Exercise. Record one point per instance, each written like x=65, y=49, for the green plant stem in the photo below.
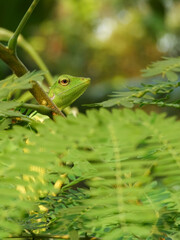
x=159, y=104
x=19, y=69
x=6, y=34
x=13, y=40
x=39, y=108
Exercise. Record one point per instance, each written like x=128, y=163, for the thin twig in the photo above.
x=5, y=35
x=39, y=108
x=13, y=40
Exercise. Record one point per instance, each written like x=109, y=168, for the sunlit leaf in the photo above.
x=12, y=83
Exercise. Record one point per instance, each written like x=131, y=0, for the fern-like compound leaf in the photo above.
x=116, y=178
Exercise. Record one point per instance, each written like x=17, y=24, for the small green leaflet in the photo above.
x=12, y=83
x=145, y=94
x=7, y=110
x=166, y=67
x=171, y=76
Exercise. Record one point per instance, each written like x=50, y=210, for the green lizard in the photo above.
x=67, y=89
x=64, y=92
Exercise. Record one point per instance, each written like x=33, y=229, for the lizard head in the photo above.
x=67, y=89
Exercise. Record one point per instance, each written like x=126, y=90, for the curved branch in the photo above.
x=20, y=69
x=13, y=40
x=5, y=35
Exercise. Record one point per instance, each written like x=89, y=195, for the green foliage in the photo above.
x=119, y=178
x=103, y=175
x=6, y=109
x=167, y=67
x=8, y=86
x=156, y=93
x=12, y=83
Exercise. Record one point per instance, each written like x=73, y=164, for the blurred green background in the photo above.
x=109, y=41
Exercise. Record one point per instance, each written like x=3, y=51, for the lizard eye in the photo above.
x=64, y=81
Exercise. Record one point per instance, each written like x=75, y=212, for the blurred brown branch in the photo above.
x=20, y=69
